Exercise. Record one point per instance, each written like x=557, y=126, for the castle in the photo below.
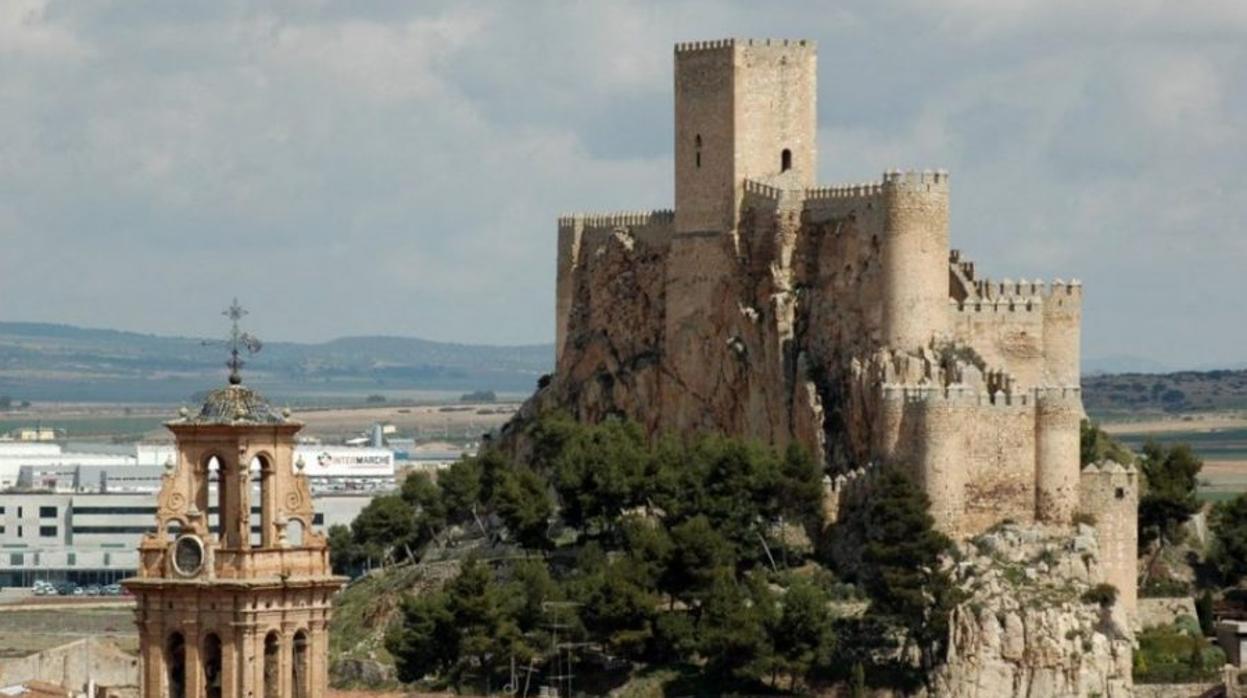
x=838, y=317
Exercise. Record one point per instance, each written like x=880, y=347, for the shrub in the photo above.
x=1169, y=654
x=1165, y=589
x=1103, y=594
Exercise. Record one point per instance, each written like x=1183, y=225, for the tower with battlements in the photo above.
x=838, y=316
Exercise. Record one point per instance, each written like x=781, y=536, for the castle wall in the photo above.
x=1109, y=493
x=839, y=255
x=1000, y=459
x=974, y=458
x=1030, y=329
x=915, y=258
x=1008, y=333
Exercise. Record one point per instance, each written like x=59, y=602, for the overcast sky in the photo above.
x=397, y=167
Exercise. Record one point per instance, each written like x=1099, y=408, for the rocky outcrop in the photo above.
x=1026, y=630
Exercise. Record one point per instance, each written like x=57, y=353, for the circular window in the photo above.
x=188, y=555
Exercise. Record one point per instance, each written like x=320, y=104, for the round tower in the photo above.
x=915, y=258
x=941, y=456
x=1058, y=413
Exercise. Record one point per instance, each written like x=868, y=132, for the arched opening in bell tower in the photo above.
x=785, y=160
x=214, y=479
x=272, y=663
x=175, y=663
x=212, y=665
x=298, y=667
x=697, y=150
x=263, y=488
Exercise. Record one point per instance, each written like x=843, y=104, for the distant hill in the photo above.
x=41, y=362
x=1180, y=391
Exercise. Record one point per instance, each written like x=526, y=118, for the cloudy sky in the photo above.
x=397, y=167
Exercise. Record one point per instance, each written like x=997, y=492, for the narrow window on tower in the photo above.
x=697, y=150
x=785, y=160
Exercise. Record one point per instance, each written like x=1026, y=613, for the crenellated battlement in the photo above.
x=713, y=44
x=1011, y=304
x=752, y=186
x=964, y=264
x=1024, y=289
x=916, y=180
x=845, y=191
x=967, y=396
x=617, y=218
x=848, y=488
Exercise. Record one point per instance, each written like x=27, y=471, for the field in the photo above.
x=1220, y=439
x=27, y=626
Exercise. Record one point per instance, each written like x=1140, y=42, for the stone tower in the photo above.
x=236, y=604
x=744, y=109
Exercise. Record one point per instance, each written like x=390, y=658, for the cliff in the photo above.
x=1026, y=629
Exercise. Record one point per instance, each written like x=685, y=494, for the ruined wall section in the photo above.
x=1109, y=493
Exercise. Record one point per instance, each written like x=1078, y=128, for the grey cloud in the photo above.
x=389, y=167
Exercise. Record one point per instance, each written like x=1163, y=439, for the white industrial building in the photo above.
x=78, y=516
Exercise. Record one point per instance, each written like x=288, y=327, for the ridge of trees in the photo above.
x=701, y=554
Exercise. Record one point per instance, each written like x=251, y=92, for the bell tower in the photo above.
x=234, y=588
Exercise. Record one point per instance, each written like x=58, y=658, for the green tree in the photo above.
x=385, y=529
x=522, y=500
x=344, y=555
x=599, y=472
x=460, y=485
x=425, y=498
x=802, y=634
x=699, y=554
x=1229, y=549
x=732, y=630
x=426, y=639
x=487, y=634
x=1171, y=477
x=618, y=601
x=901, y=563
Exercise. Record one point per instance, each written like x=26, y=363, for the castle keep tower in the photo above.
x=744, y=109
x=234, y=605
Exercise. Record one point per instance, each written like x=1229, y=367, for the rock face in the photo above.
x=1025, y=631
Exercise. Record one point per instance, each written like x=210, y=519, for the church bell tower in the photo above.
x=234, y=588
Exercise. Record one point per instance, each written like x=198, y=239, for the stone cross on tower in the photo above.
x=230, y=605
